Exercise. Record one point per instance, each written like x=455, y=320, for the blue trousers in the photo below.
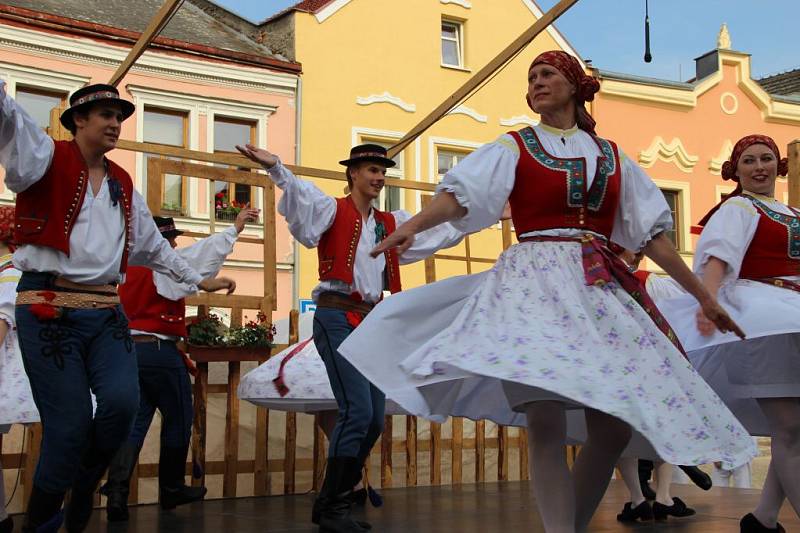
x=361, y=404
x=66, y=358
x=164, y=385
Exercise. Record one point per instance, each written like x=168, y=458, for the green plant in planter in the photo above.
x=206, y=331
x=257, y=333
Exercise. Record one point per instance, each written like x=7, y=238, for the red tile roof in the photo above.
x=311, y=5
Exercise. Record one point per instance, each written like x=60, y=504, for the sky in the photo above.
x=611, y=32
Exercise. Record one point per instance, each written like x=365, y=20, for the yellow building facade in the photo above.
x=372, y=70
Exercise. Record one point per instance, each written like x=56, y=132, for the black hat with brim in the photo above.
x=166, y=226
x=92, y=94
x=373, y=153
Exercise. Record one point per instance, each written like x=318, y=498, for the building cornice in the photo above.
x=83, y=50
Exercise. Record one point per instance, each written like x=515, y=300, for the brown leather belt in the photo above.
x=141, y=337
x=73, y=300
x=337, y=300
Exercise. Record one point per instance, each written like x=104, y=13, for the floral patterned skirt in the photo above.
x=305, y=377
x=532, y=323
x=16, y=399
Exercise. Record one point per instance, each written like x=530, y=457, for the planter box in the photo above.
x=209, y=354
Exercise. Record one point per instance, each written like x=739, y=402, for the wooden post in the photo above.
x=411, y=451
x=502, y=453
x=793, y=154
x=270, y=266
x=154, y=27
x=290, y=442
x=523, y=454
x=386, y=453
x=436, y=453
x=199, y=423
x=457, y=447
x=319, y=454
x=480, y=451
x=482, y=75
x=32, y=449
x=231, y=433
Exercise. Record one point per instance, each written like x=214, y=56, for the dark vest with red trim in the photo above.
x=775, y=248
x=337, y=247
x=146, y=309
x=46, y=211
x=551, y=193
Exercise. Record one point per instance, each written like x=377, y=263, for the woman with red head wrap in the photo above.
x=16, y=400
x=749, y=254
x=555, y=325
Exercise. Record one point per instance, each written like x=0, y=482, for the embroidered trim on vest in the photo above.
x=792, y=224
x=575, y=170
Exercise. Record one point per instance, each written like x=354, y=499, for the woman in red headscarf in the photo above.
x=558, y=336
x=16, y=400
x=749, y=254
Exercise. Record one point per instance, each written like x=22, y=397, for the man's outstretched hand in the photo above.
x=247, y=214
x=217, y=284
x=402, y=239
x=258, y=155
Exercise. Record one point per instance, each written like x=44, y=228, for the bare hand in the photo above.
x=258, y=155
x=247, y=214
x=402, y=239
x=712, y=316
x=216, y=284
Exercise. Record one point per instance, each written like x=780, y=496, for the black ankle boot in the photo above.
x=629, y=513
x=750, y=524
x=81, y=499
x=117, y=488
x=698, y=477
x=44, y=513
x=172, y=489
x=335, y=502
x=678, y=509
x=7, y=525
x=319, y=502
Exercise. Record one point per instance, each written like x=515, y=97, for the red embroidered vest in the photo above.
x=551, y=193
x=146, y=309
x=775, y=248
x=46, y=211
x=337, y=247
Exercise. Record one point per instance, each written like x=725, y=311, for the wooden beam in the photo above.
x=482, y=75
x=154, y=27
x=793, y=154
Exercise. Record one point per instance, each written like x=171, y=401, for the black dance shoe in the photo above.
x=7, y=525
x=750, y=524
x=642, y=512
x=677, y=509
x=698, y=477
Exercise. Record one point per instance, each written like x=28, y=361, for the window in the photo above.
x=39, y=102
x=452, y=43
x=229, y=132
x=169, y=128
x=673, y=200
x=391, y=197
x=447, y=159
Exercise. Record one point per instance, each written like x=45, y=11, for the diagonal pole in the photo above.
x=154, y=27
x=482, y=75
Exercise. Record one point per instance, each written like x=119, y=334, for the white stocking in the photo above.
x=771, y=500
x=783, y=416
x=664, y=480
x=607, y=437
x=629, y=468
x=552, y=482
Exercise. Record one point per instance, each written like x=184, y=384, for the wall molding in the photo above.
x=668, y=152
x=468, y=111
x=519, y=119
x=386, y=98
x=715, y=165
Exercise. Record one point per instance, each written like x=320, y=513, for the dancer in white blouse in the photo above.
x=552, y=327
x=78, y=224
x=749, y=254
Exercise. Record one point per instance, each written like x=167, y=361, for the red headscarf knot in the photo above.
x=586, y=86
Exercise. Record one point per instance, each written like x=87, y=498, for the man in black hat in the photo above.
x=78, y=224
x=344, y=230
x=156, y=310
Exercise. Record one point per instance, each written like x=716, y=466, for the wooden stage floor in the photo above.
x=490, y=507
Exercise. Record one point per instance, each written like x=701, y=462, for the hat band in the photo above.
x=164, y=229
x=99, y=95
x=368, y=154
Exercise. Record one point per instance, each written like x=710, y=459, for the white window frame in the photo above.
x=37, y=78
x=196, y=106
x=683, y=189
x=459, y=40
